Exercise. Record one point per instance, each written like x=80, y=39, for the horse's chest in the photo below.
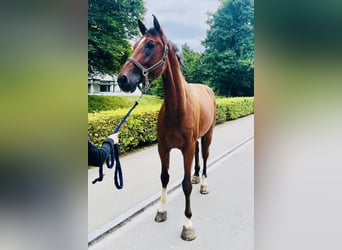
x=174, y=140
x=176, y=131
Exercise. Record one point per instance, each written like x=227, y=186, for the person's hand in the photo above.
x=114, y=137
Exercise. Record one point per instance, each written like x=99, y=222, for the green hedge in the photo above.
x=97, y=103
x=232, y=108
x=140, y=129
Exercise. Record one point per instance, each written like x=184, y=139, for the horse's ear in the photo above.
x=142, y=27
x=156, y=24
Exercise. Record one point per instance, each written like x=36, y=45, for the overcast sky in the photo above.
x=183, y=21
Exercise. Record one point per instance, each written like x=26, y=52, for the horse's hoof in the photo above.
x=188, y=234
x=204, y=190
x=161, y=216
x=195, y=179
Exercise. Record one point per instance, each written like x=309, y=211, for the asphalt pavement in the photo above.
x=223, y=219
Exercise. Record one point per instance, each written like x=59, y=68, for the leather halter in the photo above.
x=145, y=71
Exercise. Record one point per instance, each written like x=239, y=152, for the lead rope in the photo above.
x=115, y=154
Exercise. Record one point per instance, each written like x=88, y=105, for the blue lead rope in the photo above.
x=114, y=155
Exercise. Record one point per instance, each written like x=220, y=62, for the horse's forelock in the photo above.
x=179, y=54
x=153, y=32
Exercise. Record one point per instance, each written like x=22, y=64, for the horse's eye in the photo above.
x=149, y=45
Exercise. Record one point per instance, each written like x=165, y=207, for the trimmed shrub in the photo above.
x=140, y=129
x=234, y=107
x=97, y=103
x=220, y=112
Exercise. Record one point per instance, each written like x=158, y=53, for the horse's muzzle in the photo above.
x=126, y=85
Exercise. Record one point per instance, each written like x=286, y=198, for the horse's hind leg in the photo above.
x=196, y=178
x=164, y=177
x=205, y=143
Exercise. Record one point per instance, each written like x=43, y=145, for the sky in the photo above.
x=183, y=21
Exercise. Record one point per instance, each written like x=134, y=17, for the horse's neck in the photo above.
x=174, y=86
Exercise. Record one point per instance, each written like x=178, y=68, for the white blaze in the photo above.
x=141, y=42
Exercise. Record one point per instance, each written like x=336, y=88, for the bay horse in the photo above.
x=187, y=113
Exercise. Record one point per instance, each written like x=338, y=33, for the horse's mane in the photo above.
x=179, y=54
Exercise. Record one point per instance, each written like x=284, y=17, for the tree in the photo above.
x=156, y=87
x=192, y=69
x=229, y=52
x=111, y=24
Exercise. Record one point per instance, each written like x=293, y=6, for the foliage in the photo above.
x=192, y=69
x=98, y=103
x=233, y=108
x=140, y=129
x=229, y=54
x=156, y=88
x=111, y=23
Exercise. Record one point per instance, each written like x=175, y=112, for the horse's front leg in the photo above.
x=188, y=232
x=164, y=177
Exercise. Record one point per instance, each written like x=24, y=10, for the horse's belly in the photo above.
x=206, y=118
x=207, y=106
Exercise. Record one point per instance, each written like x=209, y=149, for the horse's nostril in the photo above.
x=122, y=79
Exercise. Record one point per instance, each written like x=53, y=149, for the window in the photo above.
x=104, y=88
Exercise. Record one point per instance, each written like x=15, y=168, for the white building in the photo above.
x=103, y=84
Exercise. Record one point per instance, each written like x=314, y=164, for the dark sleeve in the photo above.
x=97, y=156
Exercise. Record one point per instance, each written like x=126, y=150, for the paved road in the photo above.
x=234, y=219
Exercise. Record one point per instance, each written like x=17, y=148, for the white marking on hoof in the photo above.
x=195, y=179
x=188, y=223
x=163, y=201
x=204, y=181
x=188, y=231
x=204, y=185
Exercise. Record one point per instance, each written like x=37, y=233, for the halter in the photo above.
x=145, y=71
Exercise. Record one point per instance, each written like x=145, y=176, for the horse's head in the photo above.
x=148, y=59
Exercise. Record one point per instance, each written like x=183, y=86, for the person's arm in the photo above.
x=97, y=156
